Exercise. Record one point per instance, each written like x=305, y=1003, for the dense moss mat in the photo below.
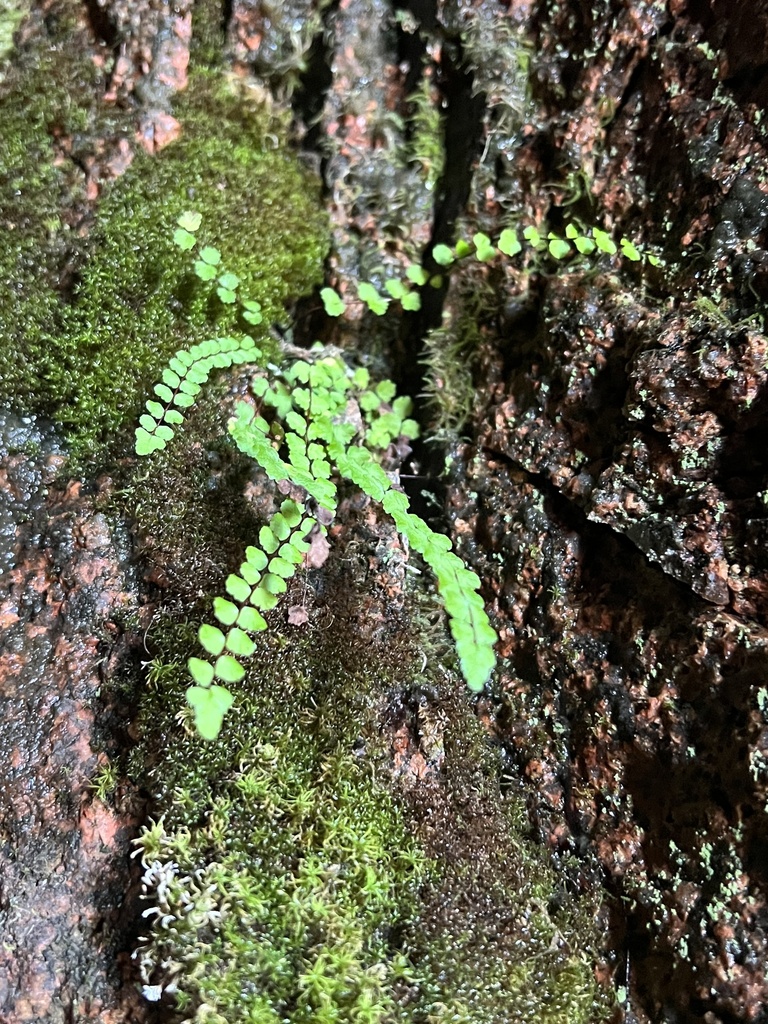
x=298, y=874
x=295, y=880
x=88, y=357
x=46, y=92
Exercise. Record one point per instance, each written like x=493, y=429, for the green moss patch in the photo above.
x=91, y=362
x=296, y=876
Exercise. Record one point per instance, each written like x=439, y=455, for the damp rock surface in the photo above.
x=66, y=906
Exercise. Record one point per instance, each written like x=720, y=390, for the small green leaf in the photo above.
x=256, y=558
x=293, y=552
x=586, y=246
x=155, y=409
x=147, y=443
x=204, y=270
x=239, y=643
x=183, y=239
x=170, y=378
x=252, y=311
x=411, y=302
x=201, y=671
x=228, y=669
x=279, y=526
x=571, y=231
x=442, y=255
x=296, y=422
x=236, y=587
x=226, y=296
x=149, y=423
x=485, y=250
x=268, y=540
x=229, y=281
x=211, y=638
x=373, y=300
x=417, y=274
x=183, y=400
x=292, y=512
x=251, y=575
x=395, y=288
x=463, y=248
x=190, y=220
x=559, y=248
x=273, y=584
x=509, y=243
x=386, y=390
x=332, y=302
x=164, y=392
x=604, y=242
x=281, y=567
x=251, y=619
x=654, y=260
x=210, y=704
x=225, y=611
x=630, y=251
x=531, y=235
x=210, y=255
x=262, y=598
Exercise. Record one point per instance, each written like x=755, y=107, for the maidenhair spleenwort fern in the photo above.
x=311, y=423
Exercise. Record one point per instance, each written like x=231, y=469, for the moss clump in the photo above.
x=45, y=93
x=91, y=363
x=11, y=13
x=295, y=880
x=137, y=301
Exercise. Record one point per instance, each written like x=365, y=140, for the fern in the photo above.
x=315, y=422
x=181, y=383
x=576, y=241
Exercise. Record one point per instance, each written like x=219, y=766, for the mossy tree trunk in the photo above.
x=607, y=465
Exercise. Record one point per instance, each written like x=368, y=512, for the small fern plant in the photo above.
x=311, y=423
x=576, y=241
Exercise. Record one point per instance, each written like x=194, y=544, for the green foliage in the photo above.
x=575, y=242
x=43, y=86
x=315, y=422
x=294, y=878
x=295, y=909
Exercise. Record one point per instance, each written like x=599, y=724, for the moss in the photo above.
x=208, y=35
x=42, y=95
x=138, y=301
x=91, y=363
x=297, y=878
x=11, y=13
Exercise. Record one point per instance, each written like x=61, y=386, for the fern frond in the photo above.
x=315, y=421
x=459, y=588
x=180, y=385
x=253, y=591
